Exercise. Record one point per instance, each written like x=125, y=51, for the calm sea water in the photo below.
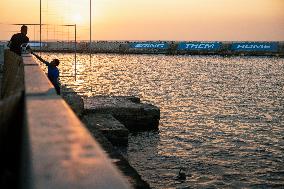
x=222, y=119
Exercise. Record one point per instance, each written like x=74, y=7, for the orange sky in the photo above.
x=209, y=20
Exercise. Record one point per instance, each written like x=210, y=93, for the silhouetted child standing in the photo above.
x=53, y=72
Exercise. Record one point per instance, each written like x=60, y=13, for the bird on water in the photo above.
x=181, y=175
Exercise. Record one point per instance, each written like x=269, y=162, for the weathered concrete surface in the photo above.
x=36, y=82
x=130, y=173
x=29, y=60
x=110, y=127
x=74, y=100
x=135, y=116
x=64, y=155
x=58, y=151
x=13, y=77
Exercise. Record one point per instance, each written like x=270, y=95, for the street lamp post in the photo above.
x=40, y=24
x=75, y=46
x=90, y=46
x=75, y=52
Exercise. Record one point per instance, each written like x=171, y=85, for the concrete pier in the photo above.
x=43, y=144
x=236, y=48
x=129, y=111
x=110, y=133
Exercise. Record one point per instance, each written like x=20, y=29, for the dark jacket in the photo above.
x=16, y=41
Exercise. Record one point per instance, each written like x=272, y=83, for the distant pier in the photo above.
x=171, y=47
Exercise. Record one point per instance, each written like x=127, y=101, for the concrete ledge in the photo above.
x=110, y=127
x=63, y=154
x=58, y=151
x=36, y=83
x=130, y=173
x=29, y=60
x=135, y=116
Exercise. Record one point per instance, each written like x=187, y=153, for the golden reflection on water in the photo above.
x=221, y=117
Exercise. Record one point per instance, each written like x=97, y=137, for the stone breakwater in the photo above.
x=110, y=120
x=39, y=130
x=114, y=116
x=170, y=47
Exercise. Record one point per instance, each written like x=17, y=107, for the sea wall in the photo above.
x=1, y=57
x=43, y=144
x=171, y=47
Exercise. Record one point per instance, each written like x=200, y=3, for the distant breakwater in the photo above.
x=169, y=47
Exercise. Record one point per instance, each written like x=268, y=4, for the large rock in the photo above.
x=134, y=115
x=110, y=127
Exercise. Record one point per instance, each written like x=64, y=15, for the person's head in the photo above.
x=24, y=29
x=55, y=62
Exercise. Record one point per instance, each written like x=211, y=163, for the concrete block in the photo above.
x=120, y=161
x=36, y=82
x=62, y=152
x=110, y=127
x=135, y=116
x=74, y=100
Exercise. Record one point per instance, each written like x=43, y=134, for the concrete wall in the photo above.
x=53, y=148
x=1, y=57
x=1, y=54
x=11, y=119
x=98, y=47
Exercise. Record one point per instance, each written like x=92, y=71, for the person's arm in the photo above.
x=41, y=59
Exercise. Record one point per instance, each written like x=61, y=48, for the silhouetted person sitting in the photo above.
x=53, y=72
x=18, y=39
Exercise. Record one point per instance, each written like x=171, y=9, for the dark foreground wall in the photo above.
x=11, y=119
x=42, y=142
x=172, y=47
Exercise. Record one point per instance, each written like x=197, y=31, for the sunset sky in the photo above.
x=204, y=20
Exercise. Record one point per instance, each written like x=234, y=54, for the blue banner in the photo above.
x=255, y=46
x=145, y=45
x=200, y=46
x=37, y=44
